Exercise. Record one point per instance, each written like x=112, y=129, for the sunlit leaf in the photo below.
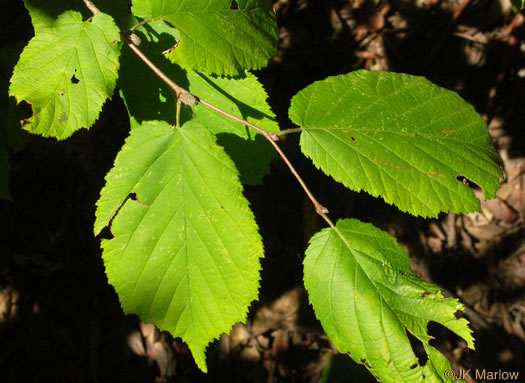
x=185, y=249
x=67, y=72
x=399, y=137
x=365, y=295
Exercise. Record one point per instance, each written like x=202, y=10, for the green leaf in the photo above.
x=242, y=96
x=45, y=12
x=185, y=249
x=149, y=98
x=67, y=71
x=217, y=36
x=364, y=293
x=399, y=137
x=252, y=156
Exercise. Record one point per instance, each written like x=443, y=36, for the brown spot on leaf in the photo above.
x=447, y=132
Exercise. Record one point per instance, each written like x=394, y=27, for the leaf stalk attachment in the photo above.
x=189, y=99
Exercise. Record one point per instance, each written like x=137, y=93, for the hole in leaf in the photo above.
x=464, y=180
x=75, y=80
x=425, y=294
x=106, y=233
x=234, y=5
x=27, y=110
x=418, y=349
x=352, y=138
x=413, y=366
x=437, y=331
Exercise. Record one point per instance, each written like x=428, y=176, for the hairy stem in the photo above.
x=268, y=135
x=288, y=131
x=189, y=99
x=177, y=116
x=145, y=21
x=180, y=91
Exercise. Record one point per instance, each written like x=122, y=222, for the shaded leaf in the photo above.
x=45, y=12
x=185, y=249
x=217, y=36
x=252, y=156
x=365, y=295
x=242, y=96
x=149, y=98
x=399, y=137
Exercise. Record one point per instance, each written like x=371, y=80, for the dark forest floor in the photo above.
x=61, y=322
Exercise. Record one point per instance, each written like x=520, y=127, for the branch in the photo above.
x=182, y=94
x=188, y=98
x=92, y=7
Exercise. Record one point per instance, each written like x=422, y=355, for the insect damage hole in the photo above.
x=418, y=348
x=464, y=180
x=74, y=80
x=106, y=232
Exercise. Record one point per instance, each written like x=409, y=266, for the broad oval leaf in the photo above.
x=67, y=71
x=217, y=36
x=399, y=137
x=364, y=293
x=185, y=249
